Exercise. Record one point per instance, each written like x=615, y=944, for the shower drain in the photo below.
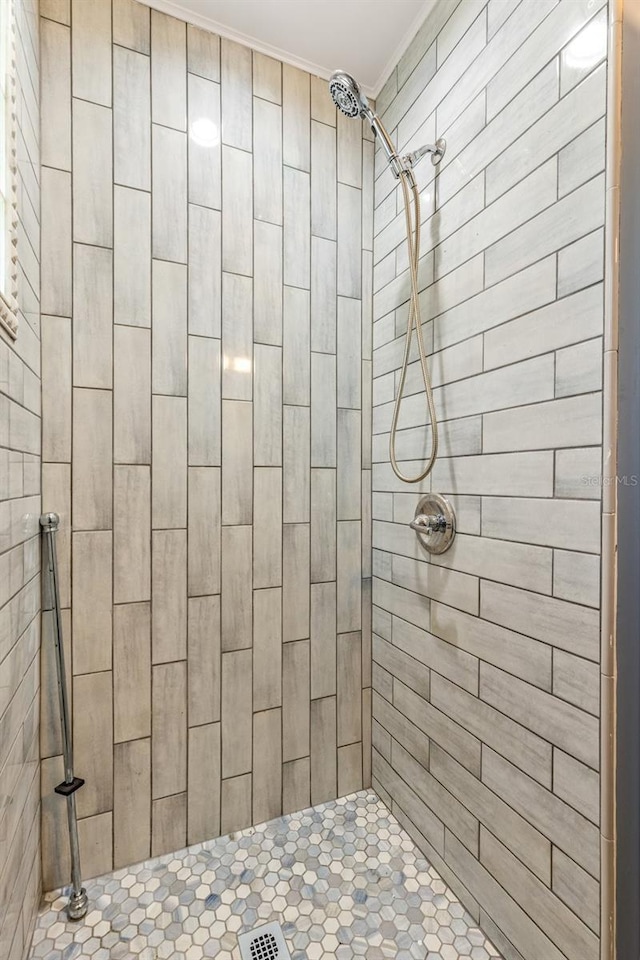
x=264, y=943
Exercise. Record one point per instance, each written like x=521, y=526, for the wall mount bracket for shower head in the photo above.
x=436, y=150
x=434, y=523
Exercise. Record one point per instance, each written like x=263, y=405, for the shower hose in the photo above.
x=409, y=186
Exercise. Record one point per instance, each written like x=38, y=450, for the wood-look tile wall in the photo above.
x=486, y=678
x=19, y=525
x=208, y=246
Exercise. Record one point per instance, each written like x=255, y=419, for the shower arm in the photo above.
x=398, y=164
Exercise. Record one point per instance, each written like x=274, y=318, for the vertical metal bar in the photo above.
x=78, y=900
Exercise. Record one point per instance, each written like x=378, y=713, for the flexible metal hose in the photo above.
x=408, y=182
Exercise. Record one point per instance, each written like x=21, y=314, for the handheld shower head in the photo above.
x=347, y=95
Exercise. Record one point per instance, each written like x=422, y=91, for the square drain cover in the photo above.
x=264, y=943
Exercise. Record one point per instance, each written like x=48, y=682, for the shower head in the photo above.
x=347, y=95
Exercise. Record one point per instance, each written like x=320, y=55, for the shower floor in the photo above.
x=343, y=879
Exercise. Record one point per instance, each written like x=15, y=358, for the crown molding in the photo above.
x=175, y=9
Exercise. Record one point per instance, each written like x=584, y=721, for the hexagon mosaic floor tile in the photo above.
x=343, y=879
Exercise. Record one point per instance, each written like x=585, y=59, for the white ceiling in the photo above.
x=365, y=37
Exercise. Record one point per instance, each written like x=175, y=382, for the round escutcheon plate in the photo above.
x=434, y=523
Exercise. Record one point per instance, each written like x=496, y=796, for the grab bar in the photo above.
x=78, y=900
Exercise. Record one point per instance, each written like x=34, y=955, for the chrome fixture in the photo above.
x=349, y=98
x=78, y=900
x=434, y=523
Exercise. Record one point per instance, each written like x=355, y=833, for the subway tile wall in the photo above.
x=486, y=677
x=19, y=524
x=207, y=263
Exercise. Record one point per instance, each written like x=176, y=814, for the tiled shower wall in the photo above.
x=19, y=526
x=204, y=285
x=486, y=671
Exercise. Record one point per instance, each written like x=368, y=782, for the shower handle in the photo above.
x=429, y=523
x=434, y=523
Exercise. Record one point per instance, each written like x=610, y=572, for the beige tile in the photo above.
x=296, y=785
x=564, y=827
x=577, y=784
x=349, y=353
x=481, y=638
x=267, y=283
x=449, y=734
x=168, y=70
x=267, y=769
x=297, y=238
x=203, y=531
x=533, y=849
x=323, y=418
x=131, y=257
x=296, y=111
x=237, y=294
x=56, y=271
x=56, y=389
x=237, y=478
x=91, y=52
x=236, y=713
x=323, y=181
x=205, y=276
x=131, y=25
x=323, y=525
x=131, y=672
x=324, y=768
x=572, y=525
x=267, y=527
x=169, y=462
x=296, y=468
x=267, y=649
x=131, y=119
x=50, y=732
x=92, y=595
x=131, y=802
x=203, y=794
x=402, y=733
x=92, y=174
x=203, y=53
x=203, y=654
x=578, y=473
x=236, y=94
x=204, y=437
x=92, y=452
x=322, y=107
x=559, y=923
x=92, y=732
x=349, y=676
x=349, y=278
x=95, y=836
x=169, y=595
x=366, y=738
x=296, y=346
x=577, y=889
x=168, y=824
x=295, y=700
x=131, y=534
x=323, y=640
x=236, y=598
x=169, y=194
x=55, y=95
x=402, y=666
x=349, y=576
x=236, y=804
x=237, y=209
x=349, y=769
x=59, y=10
x=349, y=480
x=267, y=161
x=267, y=406
x=169, y=325
x=169, y=729
x=577, y=681
x=92, y=317
x=565, y=625
x=267, y=77
x=295, y=581
x=131, y=395
x=323, y=295
x=204, y=153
